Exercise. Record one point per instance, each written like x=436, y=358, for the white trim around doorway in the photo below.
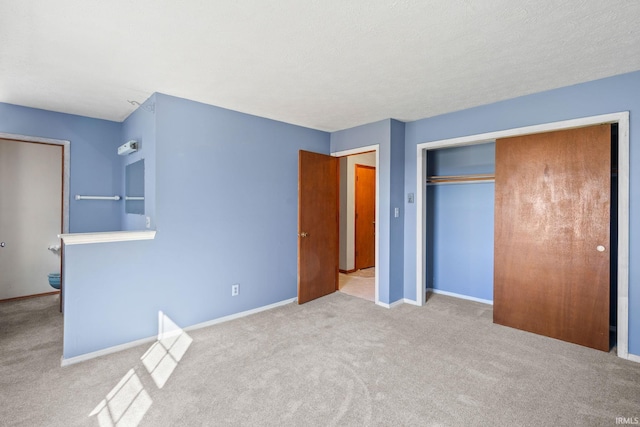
x=361, y=150
x=622, y=118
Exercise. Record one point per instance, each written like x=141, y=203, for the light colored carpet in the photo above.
x=359, y=284
x=335, y=361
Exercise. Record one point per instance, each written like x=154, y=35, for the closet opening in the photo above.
x=459, y=221
x=618, y=223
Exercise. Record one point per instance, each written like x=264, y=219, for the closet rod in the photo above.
x=79, y=197
x=459, y=179
x=461, y=182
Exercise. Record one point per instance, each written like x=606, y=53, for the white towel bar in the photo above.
x=79, y=197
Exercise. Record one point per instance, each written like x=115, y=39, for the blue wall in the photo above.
x=396, y=228
x=459, y=223
x=95, y=166
x=226, y=204
x=615, y=94
x=140, y=126
x=227, y=193
x=226, y=212
x=107, y=289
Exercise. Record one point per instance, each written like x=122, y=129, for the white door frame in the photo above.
x=361, y=150
x=622, y=118
x=65, y=168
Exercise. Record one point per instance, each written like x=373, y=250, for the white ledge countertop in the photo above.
x=106, y=236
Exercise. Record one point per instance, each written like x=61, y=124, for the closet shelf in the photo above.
x=460, y=179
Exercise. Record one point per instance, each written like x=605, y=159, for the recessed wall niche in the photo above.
x=134, y=194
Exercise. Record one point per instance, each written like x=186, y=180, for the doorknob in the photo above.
x=600, y=248
x=2, y=244
x=303, y=234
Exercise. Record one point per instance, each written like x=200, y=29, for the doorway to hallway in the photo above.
x=358, y=237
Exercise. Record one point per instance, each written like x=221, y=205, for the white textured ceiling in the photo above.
x=324, y=64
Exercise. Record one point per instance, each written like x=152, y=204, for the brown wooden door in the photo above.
x=318, y=200
x=365, y=207
x=552, y=210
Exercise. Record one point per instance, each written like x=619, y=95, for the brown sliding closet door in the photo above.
x=552, y=209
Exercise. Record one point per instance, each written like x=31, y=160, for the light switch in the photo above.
x=148, y=222
x=396, y=212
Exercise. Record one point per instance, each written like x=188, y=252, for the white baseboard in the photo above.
x=393, y=304
x=453, y=294
x=239, y=315
x=128, y=345
x=397, y=303
x=633, y=357
x=105, y=351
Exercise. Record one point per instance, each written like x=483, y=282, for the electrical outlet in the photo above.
x=147, y=222
x=235, y=290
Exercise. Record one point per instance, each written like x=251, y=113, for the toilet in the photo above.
x=54, y=280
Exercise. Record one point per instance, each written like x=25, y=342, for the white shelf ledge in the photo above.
x=106, y=237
